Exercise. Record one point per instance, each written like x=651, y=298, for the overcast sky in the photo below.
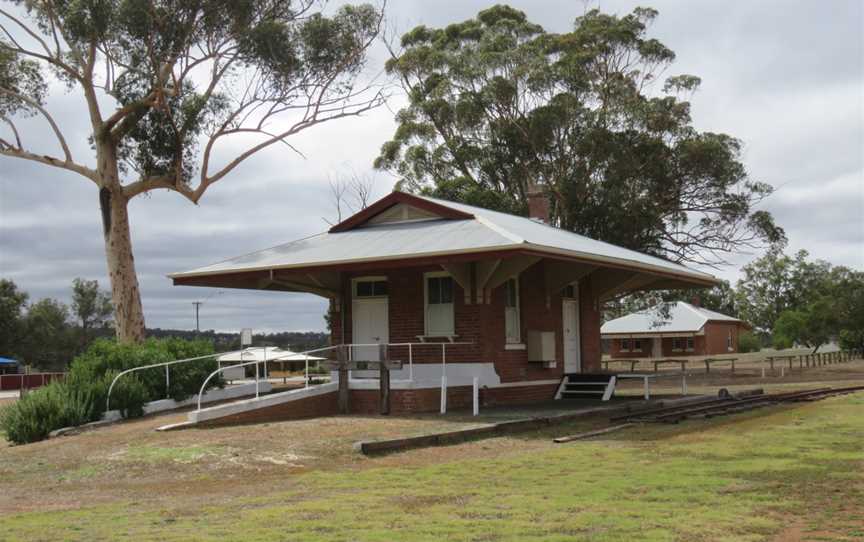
x=786, y=77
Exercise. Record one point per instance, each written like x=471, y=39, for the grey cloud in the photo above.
x=785, y=77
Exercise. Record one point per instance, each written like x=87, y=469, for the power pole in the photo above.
x=197, y=305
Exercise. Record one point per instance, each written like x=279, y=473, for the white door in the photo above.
x=370, y=326
x=572, y=351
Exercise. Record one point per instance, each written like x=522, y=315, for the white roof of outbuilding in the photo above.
x=263, y=353
x=681, y=318
x=483, y=230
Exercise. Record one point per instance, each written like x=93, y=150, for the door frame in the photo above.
x=370, y=300
x=571, y=304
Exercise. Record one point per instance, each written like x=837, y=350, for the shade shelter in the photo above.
x=267, y=356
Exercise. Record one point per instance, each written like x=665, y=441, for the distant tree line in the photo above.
x=48, y=334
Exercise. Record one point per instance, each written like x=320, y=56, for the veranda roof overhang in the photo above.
x=480, y=248
x=490, y=269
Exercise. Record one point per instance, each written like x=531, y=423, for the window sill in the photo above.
x=515, y=346
x=449, y=337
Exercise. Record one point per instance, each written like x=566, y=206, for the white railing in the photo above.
x=165, y=364
x=350, y=349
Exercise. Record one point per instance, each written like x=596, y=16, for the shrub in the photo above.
x=81, y=396
x=749, y=342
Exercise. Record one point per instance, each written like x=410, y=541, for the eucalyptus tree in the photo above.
x=167, y=86
x=498, y=107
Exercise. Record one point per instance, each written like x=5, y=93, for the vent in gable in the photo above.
x=402, y=213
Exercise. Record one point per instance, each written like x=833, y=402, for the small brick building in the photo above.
x=455, y=291
x=678, y=330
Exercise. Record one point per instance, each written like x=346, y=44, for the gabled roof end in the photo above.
x=395, y=198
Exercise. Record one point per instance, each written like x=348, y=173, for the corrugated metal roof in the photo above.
x=682, y=317
x=526, y=230
x=368, y=243
x=488, y=230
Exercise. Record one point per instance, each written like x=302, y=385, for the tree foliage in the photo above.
x=812, y=326
x=81, y=396
x=499, y=107
x=802, y=301
x=12, y=304
x=777, y=282
x=90, y=306
x=165, y=84
x=50, y=341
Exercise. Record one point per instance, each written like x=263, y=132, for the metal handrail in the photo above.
x=162, y=364
x=307, y=353
x=256, y=362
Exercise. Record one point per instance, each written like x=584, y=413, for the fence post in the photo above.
x=476, y=391
x=344, y=395
x=167, y=384
x=384, y=378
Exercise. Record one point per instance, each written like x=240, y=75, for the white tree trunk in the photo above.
x=128, y=312
x=125, y=295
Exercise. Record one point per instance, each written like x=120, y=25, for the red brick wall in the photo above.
x=482, y=324
x=319, y=405
x=716, y=334
x=458, y=397
x=644, y=352
x=590, y=322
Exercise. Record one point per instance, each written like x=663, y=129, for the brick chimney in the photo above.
x=696, y=301
x=538, y=204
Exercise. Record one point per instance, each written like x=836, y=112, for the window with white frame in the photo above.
x=689, y=344
x=625, y=345
x=729, y=342
x=677, y=344
x=439, y=305
x=637, y=345
x=512, y=324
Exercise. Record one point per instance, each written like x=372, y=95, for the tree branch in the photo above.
x=49, y=160
x=33, y=103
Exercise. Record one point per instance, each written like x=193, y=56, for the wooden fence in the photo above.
x=774, y=363
x=27, y=381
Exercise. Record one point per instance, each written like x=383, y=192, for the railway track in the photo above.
x=728, y=405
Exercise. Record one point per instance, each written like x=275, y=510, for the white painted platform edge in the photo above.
x=215, y=394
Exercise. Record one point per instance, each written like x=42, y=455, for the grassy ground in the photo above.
x=788, y=473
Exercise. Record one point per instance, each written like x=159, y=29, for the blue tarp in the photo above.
x=7, y=361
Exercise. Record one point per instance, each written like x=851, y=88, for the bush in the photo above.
x=749, y=342
x=81, y=396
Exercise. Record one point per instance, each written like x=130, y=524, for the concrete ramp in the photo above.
x=309, y=402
